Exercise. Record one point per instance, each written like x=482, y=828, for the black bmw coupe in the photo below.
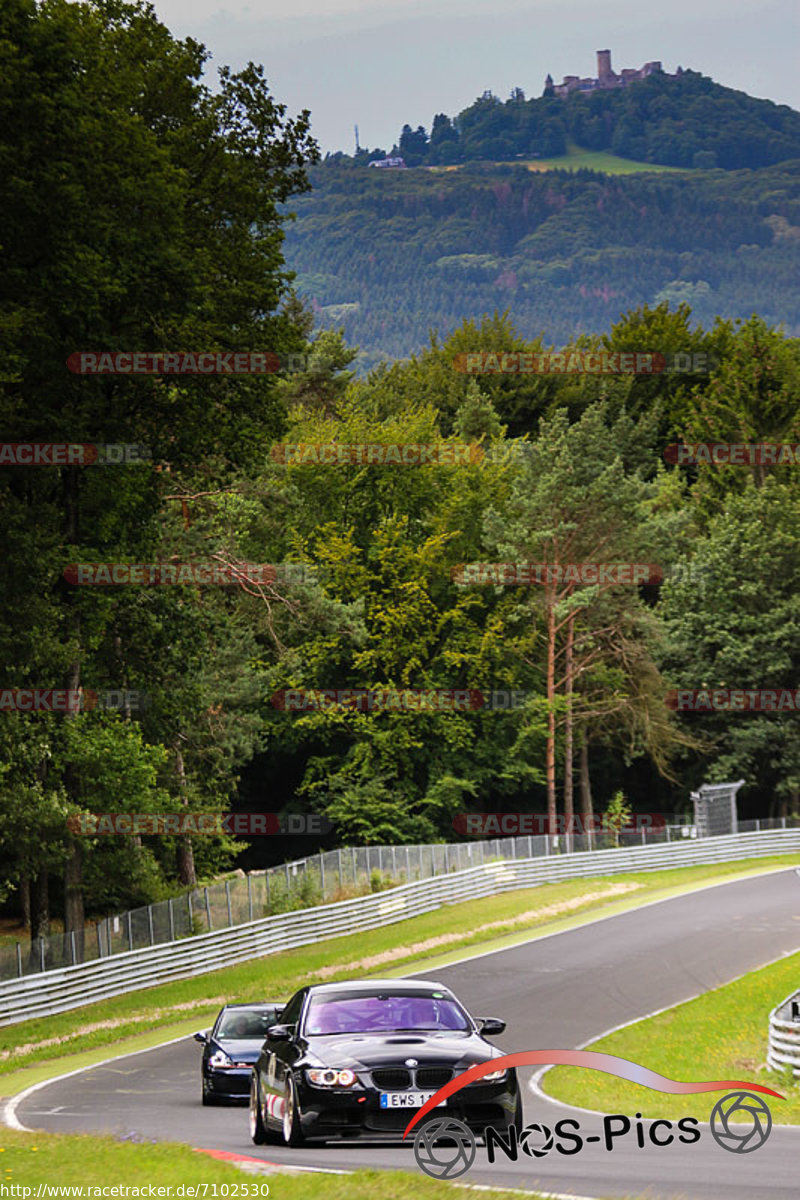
x=357, y=1059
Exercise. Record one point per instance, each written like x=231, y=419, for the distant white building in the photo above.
x=389, y=162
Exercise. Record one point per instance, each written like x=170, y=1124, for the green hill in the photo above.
x=677, y=121
x=390, y=255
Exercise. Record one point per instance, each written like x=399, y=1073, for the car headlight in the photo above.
x=328, y=1077
x=220, y=1059
x=492, y=1077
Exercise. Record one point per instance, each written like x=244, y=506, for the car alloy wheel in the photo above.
x=292, y=1129
x=258, y=1131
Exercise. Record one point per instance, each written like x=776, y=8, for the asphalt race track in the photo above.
x=558, y=992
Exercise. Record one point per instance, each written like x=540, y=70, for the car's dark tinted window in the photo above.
x=343, y=1012
x=291, y=1014
x=247, y=1022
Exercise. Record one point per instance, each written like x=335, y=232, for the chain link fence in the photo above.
x=326, y=877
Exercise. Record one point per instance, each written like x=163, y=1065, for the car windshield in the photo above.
x=247, y=1022
x=384, y=1013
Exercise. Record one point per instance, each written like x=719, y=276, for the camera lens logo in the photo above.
x=540, y=1134
x=445, y=1148
x=737, y=1109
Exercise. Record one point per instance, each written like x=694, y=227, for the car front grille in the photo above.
x=433, y=1077
x=393, y=1079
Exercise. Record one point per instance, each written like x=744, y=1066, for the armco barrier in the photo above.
x=72, y=987
x=784, y=1035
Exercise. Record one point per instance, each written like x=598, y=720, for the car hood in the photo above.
x=364, y=1052
x=239, y=1049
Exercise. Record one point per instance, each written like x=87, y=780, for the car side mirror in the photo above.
x=201, y=1037
x=279, y=1033
x=491, y=1026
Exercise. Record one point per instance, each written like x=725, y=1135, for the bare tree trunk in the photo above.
x=551, y=715
x=185, y=854
x=25, y=901
x=586, y=789
x=40, y=914
x=74, y=915
x=568, y=734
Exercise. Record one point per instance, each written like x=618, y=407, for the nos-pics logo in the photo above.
x=445, y=1147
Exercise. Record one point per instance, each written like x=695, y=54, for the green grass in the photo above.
x=577, y=158
x=140, y=1019
x=720, y=1035
x=87, y=1161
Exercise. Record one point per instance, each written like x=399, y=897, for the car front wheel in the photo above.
x=292, y=1129
x=208, y=1097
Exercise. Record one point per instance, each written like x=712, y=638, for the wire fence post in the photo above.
x=322, y=874
x=150, y=924
x=355, y=866
x=189, y=908
x=171, y=920
x=130, y=931
x=19, y=961
x=228, y=898
x=339, y=864
x=408, y=865
x=208, y=909
x=99, y=942
x=250, y=895
x=41, y=952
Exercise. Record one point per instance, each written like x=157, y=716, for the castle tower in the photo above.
x=549, y=87
x=603, y=65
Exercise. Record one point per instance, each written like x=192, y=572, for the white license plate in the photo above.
x=407, y=1099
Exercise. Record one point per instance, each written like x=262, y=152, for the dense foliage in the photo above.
x=143, y=212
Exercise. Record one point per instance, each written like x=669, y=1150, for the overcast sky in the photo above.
x=379, y=65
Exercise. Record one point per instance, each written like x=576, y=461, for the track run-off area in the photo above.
x=562, y=990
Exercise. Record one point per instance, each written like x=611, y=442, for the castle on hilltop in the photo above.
x=606, y=78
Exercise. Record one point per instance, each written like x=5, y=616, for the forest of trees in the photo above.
x=386, y=256
x=202, y=181
x=688, y=121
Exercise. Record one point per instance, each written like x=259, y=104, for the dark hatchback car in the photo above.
x=357, y=1059
x=231, y=1048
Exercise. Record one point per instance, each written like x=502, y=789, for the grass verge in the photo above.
x=63, y=1160
x=34, y=1050
x=720, y=1035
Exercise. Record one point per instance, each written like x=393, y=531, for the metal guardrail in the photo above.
x=74, y=986
x=784, y=1036
x=330, y=875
